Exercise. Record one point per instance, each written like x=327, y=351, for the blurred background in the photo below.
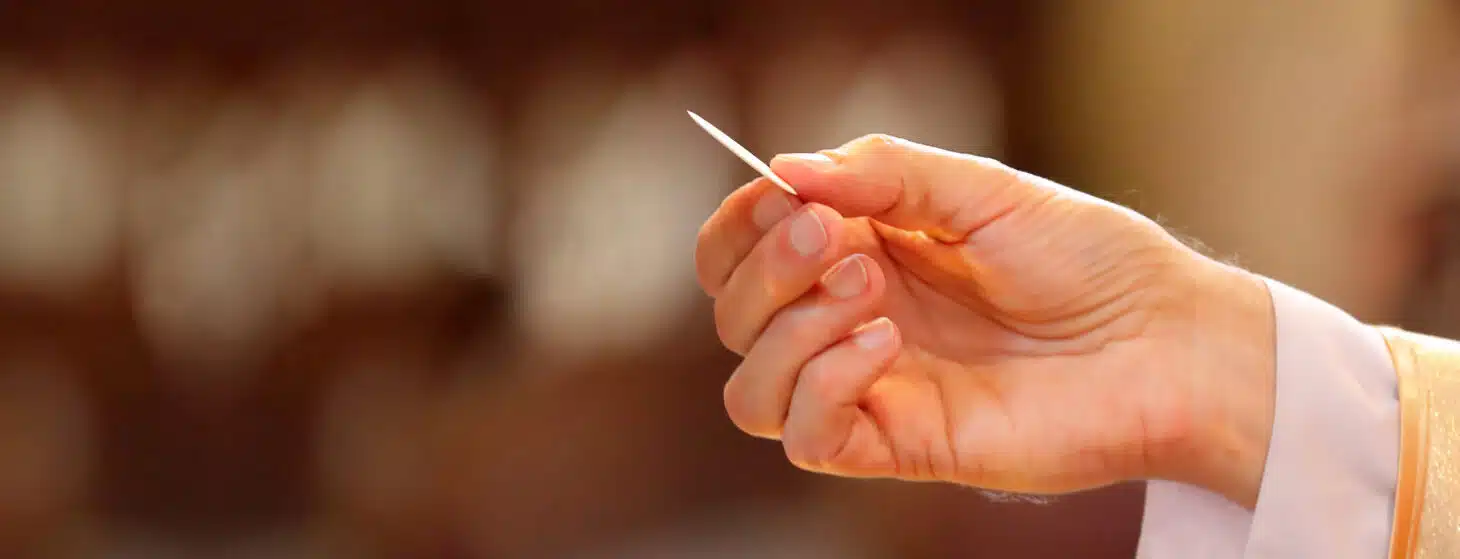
x=391, y=278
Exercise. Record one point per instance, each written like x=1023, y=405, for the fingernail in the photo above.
x=812, y=161
x=875, y=334
x=808, y=235
x=772, y=207
x=847, y=279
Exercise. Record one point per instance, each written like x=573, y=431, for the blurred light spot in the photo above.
x=403, y=183
x=607, y=230
x=794, y=93
x=925, y=87
x=216, y=259
x=58, y=191
x=928, y=88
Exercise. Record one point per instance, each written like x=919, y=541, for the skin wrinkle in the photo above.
x=1125, y=454
x=975, y=253
x=1147, y=454
x=886, y=436
x=1022, y=329
x=932, y=461
x=714, y=283
x=1029, y=304
x=1033, y=328
x=803, y=323
x=836, y=454
x=937, y=380
x=910, y=280
x=720, y=280
x=989, y=387
x=1077, y=345
x=966, y=220
x=740, y=346
x=940, y=383
x=908, y=257
x=940, y=390
x=720, y=329
x=839, y=453
x=1122, y=302
x=952, y=226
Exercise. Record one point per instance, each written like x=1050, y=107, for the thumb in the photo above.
x=911, y=186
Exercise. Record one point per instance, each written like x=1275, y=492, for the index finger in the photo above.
x=730, y=233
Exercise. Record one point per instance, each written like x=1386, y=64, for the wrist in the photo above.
x=1232, y=366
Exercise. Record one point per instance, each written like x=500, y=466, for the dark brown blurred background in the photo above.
x=414, y=279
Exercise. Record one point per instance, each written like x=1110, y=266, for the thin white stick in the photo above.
x=742, y=153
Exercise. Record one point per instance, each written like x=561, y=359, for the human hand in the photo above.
x=934, y=316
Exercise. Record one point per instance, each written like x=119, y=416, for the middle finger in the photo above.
x=782, y=267
x=733, y=230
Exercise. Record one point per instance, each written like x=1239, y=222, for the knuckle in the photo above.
x=726, y=327
x=875, y=147
x=801, y=326
x=802, y=452
x=705, y=267
x=706, y=234
x=992, y=163
x=742, y=408
x=873, y=142
x=819, y=380
x=735, y=406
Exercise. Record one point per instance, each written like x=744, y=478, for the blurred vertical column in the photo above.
x=61, y=175
x=617, y=183
x=60, y=178
x=402, y=199
x=596, y=437
x=401, y=190
x=216, y=262
x=215, y=249
x=1283, y=133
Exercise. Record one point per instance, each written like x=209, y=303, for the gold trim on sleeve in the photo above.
x=1427, y=494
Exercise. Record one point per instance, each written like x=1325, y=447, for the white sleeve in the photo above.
x=1328, y=487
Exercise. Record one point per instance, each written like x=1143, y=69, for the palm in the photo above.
x=1033, y=386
